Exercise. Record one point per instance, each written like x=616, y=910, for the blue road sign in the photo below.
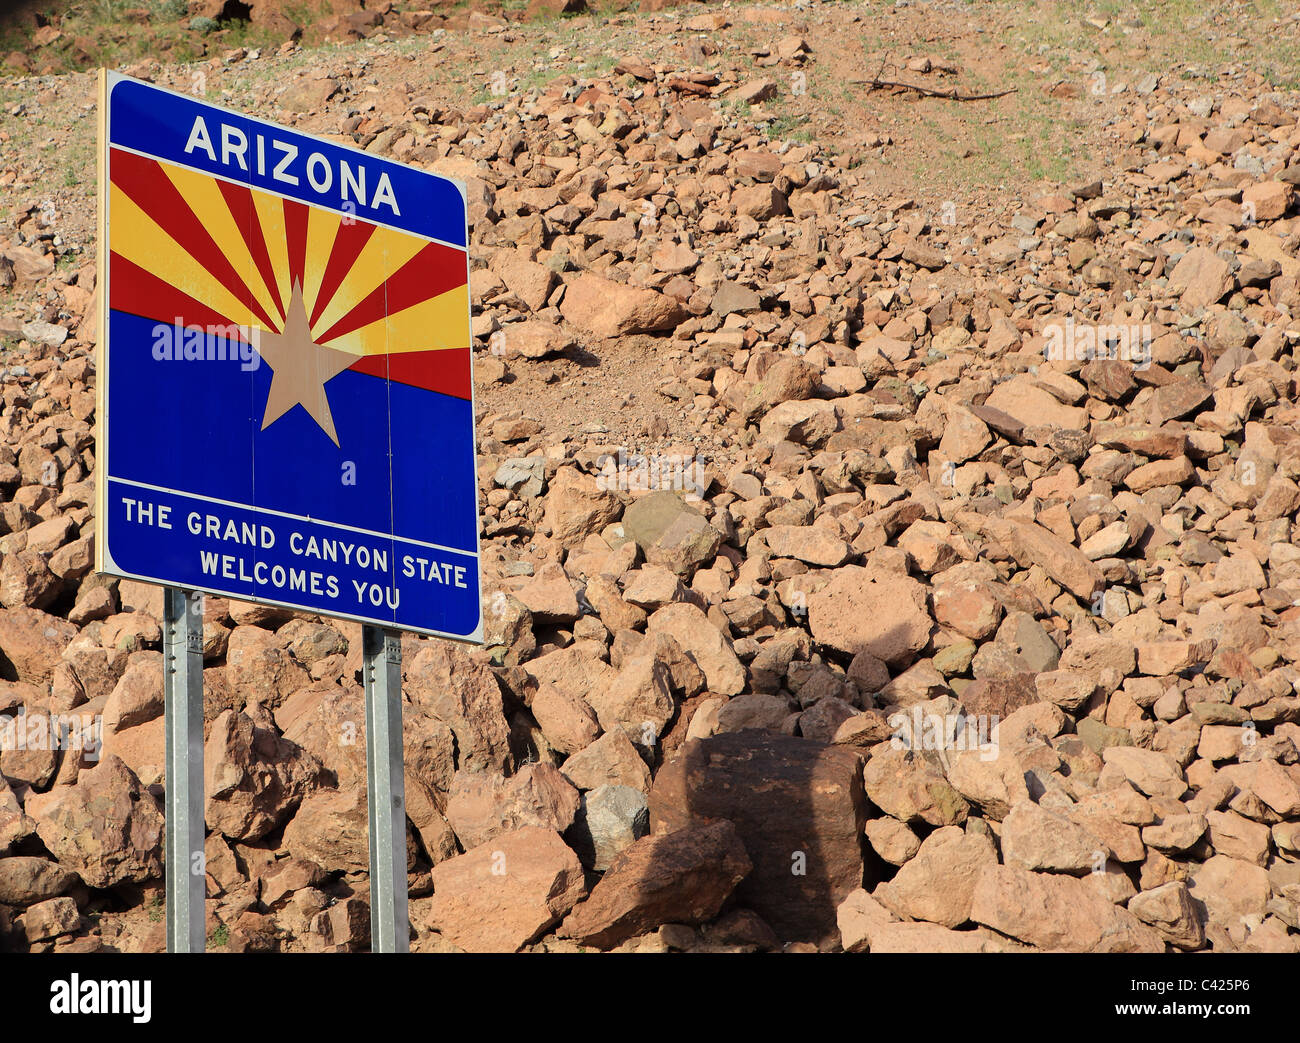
x=286, y=410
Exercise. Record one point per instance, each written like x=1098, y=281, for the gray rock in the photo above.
x=523, y=475
x=670, y=532
x=732, y=297
x=609, y=819
x=45, y=333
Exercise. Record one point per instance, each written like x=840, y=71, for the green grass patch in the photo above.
x=783, y=128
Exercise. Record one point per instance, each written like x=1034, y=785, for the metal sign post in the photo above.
x=183, y=721
x=385, y=790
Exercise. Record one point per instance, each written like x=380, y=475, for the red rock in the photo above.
x=1201, y=278
x=1278, y=787
x=138, y=697
x=806, y=543
x=576, y=506
x=25, y=880
x=611, y=760
x=529, y=281
x=1269, y=200
x=1160, y=472
x=253, y=778
x=1057, y=912
x=444, y=682
x=861, y=610
x=639, y=700
x=568, y=722
x=964, y=437
x=999, y=697
x=704, y=642
x=1170, y=910
x=1031, y=544
x=971, y=609
x=31, y=643
x=26, y=580
x=939, y=882
x=50, y=919
x=1030, y=405
x=482, y=806
x=1038, y=838
x=610, y=309
x=755, y=91
x=681, y=876
x=533, y=339
x=259, y=669
x=106, y=828
x=1154, y=773
x=761, y=202
x=503, y=894
x=759, y=164
x=931, y=938
x=909, y=786
x=1161, y=658
x=549, y=596
x=331, y=828
x=1229, y=888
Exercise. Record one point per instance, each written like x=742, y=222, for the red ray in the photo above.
x=295, y=230
x=138, y=291
x=349, y=241
x=240, y=201
x=150, y=189
x=446, y=372
x=434, y=270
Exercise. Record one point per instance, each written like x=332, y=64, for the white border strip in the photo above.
x=292, y=517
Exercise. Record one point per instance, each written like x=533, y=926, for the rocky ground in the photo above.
x=949, y=597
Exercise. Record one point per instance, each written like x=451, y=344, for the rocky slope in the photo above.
x=886, y=576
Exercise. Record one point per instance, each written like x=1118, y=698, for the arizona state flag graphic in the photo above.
x=285, y=394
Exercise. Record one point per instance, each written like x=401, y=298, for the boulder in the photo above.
x=1060, y=913
x=253, y=778
x=606, y=308
x=501, y=895
x=680, y=876
x=107, y=828
x=938, y=883
x=482, y=805
x=670, y=532
x=609, y=819
x=444, y=682
x=861, y=610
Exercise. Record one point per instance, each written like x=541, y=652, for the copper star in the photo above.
x=301, y=368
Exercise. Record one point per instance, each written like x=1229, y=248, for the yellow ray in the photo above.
x=322, y=227
x=270, y=214
x=384, y=253
x=204, y=197
x=434, y=324
x=138, y=238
